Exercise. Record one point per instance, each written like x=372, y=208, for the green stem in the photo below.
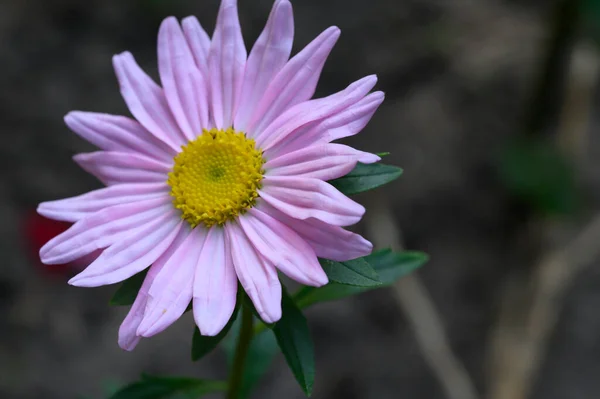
x=241, y=351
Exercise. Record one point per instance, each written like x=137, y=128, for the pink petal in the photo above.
x=120, y=167
x=101, y=230
x=215, y=284
x=199, y=43
x=304, y=198
x=295, y=83
x=171, y=292
x=146, y=101
x=259, y=279
x=323, y=162
x=269, y=54
x=282, y=247
x=76, y=208
x=329, y=242
x=226, y=63
x=128, y=337
x=352, y=120
x=184, y=85
x=117, y=133
x=131, y=253
x=311, y=111
x=343, y=124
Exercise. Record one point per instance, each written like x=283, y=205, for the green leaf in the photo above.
x=203, y=345
x=261, y=353
x=356, y=272
x=382, y=154
x=293, y=337
x=390, y=266
x=128, y=290
x=366, y=177
x=152, y=387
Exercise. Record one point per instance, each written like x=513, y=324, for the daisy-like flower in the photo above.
x=221, y=178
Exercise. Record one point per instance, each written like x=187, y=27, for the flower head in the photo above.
x=222, y=176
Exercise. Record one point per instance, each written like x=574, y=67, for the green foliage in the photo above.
x=262, y=351
x=388, y=264
x=366, y=177
x=153, y=387
x=355, y=272
x=392, y=266
x=128, y=290
x=295, y=341
x=537, y=173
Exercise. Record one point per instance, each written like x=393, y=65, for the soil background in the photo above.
x=458, y=76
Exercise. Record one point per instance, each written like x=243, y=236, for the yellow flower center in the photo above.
x=216, y=177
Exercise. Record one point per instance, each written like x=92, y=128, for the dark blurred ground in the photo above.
x=458, y=75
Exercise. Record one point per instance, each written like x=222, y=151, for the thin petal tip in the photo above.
x=320, y=279
x=209, y=328
x=189, y=21
x=80, y=158
x=45, y=252
x=69, y=117
x=41, y=208
x=43, y=255
x=333, y=31
x=378, y=95
x=283, y=5
x=117, y=59
x=129, y=344
x=372, y=78
x=210, y=331
x=74, y=118
x=167, y=24
x=145, y=331
x=73, y=281
x=78, y=282
x=368, y=158
x=84, y=281
x=271, y=317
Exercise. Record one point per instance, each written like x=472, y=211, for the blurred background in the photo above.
x=490, y=109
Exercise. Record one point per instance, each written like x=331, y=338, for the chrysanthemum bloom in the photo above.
x=221, y=177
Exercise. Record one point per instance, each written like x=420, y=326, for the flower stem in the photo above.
x=241, y=351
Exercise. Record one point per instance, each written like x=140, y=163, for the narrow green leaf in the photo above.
x=308, y=296
x=203, y=345
x=355, y=272
x=261, y=353
x=293, y=337
x=152, y=387
x=366, y=177
x=382, y=154
x=390, y=266
x=128, y=290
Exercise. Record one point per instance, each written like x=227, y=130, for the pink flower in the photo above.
x=221, y=177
